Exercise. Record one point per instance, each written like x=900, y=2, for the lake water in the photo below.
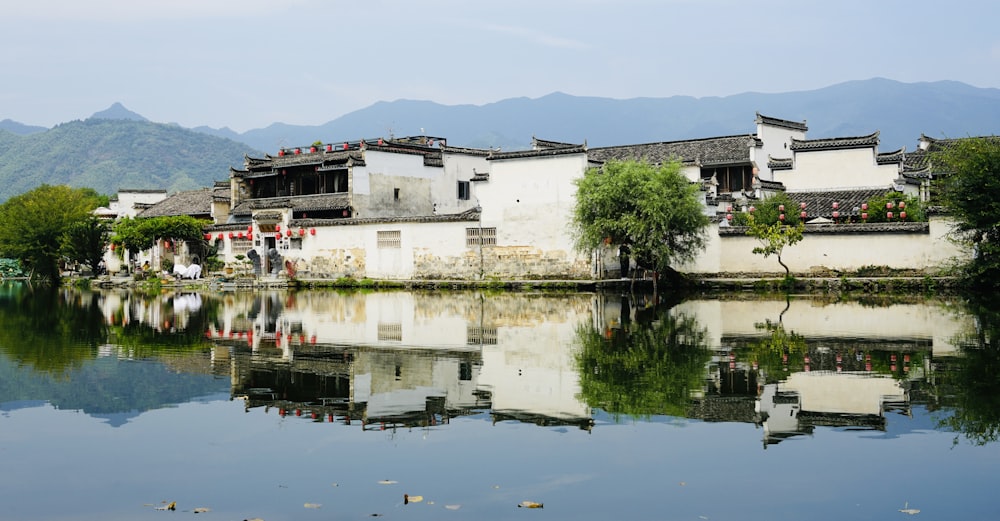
x=327, y=405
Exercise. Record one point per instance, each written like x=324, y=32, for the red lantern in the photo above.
x=902, y=215
x=346, y=213
x=277, y=227
x=112, y=246
x=298, y=151
x=281, y=152
x=241, y=235
x=864, y=215
x=836, y=214
x=864, y=206
x=312, y=150
x=781, y=208
x=302, y=232
x=836, y=205
x=802, y=206
x=219, y=237
x=231, y=235
x=249, y=236
x=288, y=233
x=902, y=204
x=888, y=215
x=312, y=231
x=345, y=145
x=781, y=217
x=250, y=229
x=380, y=142
x=729, y=217
x=329, y=148
x=888, y=205
x=208, y=236
x=752, y=209
x=802, y=215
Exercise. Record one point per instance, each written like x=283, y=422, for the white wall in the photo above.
x=832, y=169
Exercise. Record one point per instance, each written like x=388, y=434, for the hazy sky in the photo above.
x=248, y=63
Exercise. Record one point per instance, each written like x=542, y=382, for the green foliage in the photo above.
x=774, y=237
x=646, y=368
x=878, y=212
x=33, y=224
x=970, y=194
x=769, y=211
x=654, y=210
x=85, y=242
x=141, y=234
x=106, y=154
x=11, y=268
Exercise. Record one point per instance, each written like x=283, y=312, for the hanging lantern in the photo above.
x=281, y=152
x=902, y=204
x=781, y=208
x=329, y=148
x=249, y=236
x=346, y=213
x=380, y=142
x=864, y=215
x=312, y=231
x=298, y=151
x=864, y=206
x=302, y=232
x=231, y=235
x=836, y=205
x=902, y=215
x=277, y=227
x=802, y=215
x=836, y=214
x=802, y=206
x=888, y=205
x=241, y=235
x=250, y=228
x=345, y=145
x=781, y=217
x=752, y=209
x=288, y=233
x=729, y=217
x=312, y=150
x=208, y=236
x=219, y=237
x=888, y=215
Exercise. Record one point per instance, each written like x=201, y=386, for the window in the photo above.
x=480, y=237
x=241, y=245
x=463, y=190
x=395, y=194
x=480, y=335
x=295, y=243
x=389, y=239
x=390, y=332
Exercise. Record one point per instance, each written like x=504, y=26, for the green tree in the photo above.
x=972, y=168
x=33, y=224
x=654, y=210
x=85, y=242
x=897, y=203
x=139, y=234
x=774, y=237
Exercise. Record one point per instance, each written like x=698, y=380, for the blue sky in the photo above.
x=248, y=63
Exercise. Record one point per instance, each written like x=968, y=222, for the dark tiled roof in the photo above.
x=539, y=144
x=196, y=203
x=774, y=186
x=779, y=164
x=916, y=161
x=467, y=151
x=820, y=203
x=887, y=158
x=468, y=215
x=480, y=176
x=301, y=203
x=708, y=151
x=896, y=227
x=548, y=152
x=784, y=123
x=836, y=143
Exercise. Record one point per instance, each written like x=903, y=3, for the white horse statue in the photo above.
x=187, y=272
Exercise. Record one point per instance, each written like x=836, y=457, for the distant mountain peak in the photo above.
x=118, y=111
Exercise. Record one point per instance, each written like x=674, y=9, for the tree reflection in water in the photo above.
x=649, y=366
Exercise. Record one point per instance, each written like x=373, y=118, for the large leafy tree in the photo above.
x=969, y=191
x=85, y=242
x=654, y=210
x=32, y=225
x=141, y=234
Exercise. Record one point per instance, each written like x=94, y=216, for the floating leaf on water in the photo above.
x=387, y=482
x=313, y=505
x=529, y=504
x=412, y=499
x=453, y=507
x=201, y=510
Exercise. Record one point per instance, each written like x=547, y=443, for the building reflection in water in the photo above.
x=386, y=360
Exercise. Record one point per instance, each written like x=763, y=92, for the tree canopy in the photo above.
x=654, y=210
x=969, y=188
x=33, y=225
x=142, y=234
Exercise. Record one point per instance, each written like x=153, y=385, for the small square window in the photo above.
x=463, y=190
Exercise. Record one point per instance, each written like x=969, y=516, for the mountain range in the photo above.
x=117, y=148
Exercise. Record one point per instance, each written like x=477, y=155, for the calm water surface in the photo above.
x=325, y=405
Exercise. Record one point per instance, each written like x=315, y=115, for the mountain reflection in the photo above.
x=402, y=359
